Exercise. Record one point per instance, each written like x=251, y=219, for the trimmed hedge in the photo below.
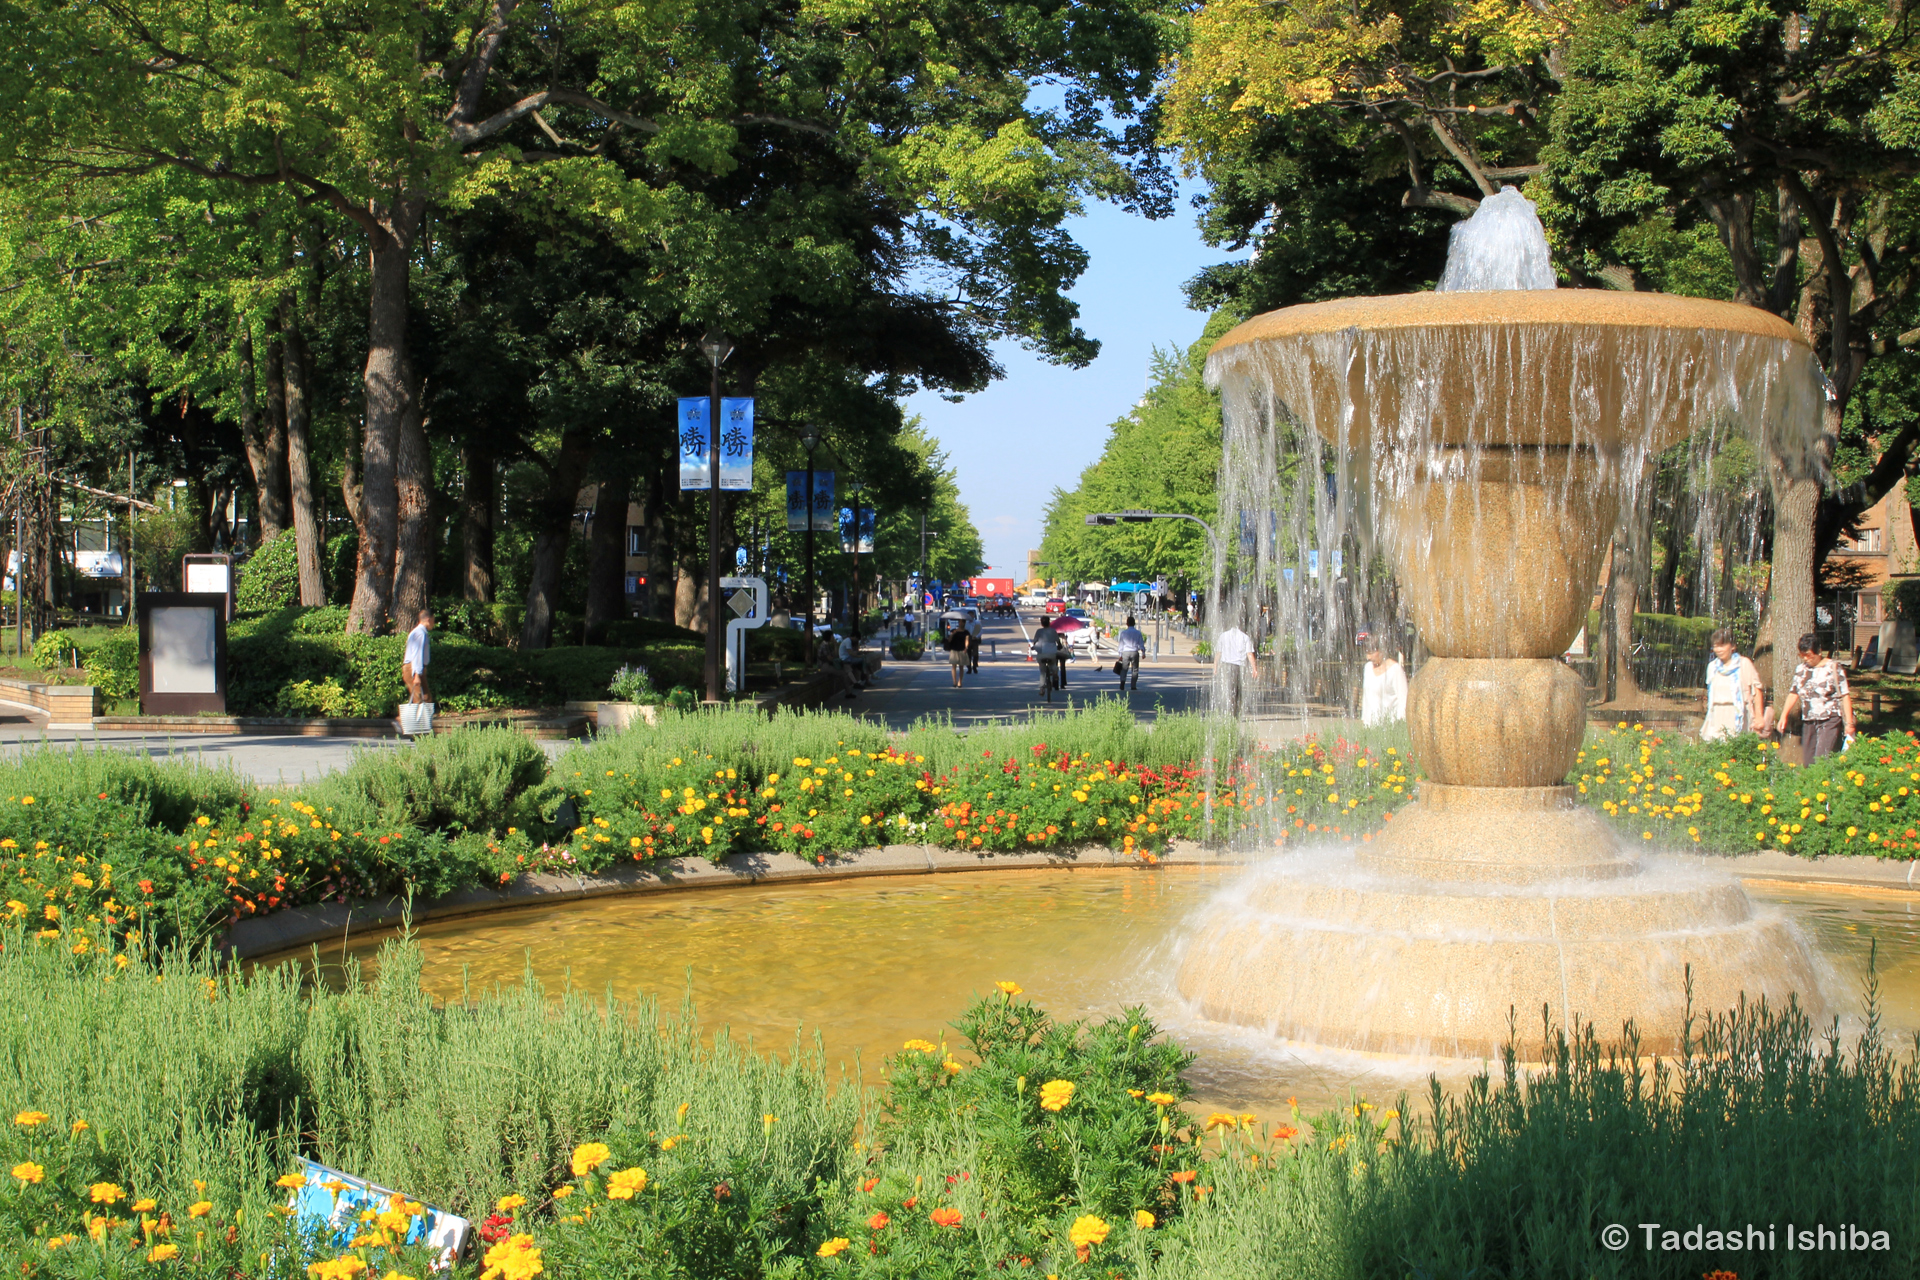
x=300, y=662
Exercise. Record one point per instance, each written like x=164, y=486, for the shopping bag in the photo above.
x=416, y=718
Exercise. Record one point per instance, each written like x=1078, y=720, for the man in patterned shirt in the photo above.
x=1819, y=691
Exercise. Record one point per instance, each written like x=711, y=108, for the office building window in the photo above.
x=636, y=539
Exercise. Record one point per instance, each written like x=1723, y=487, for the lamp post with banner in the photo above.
x=809, y=442
x=717, y=347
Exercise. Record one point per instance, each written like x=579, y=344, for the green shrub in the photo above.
x=53, y=650
x=632, y=684
x=342, y=565
x=270, y=578
x=474, y=779
x=314, y=698
x=113, y=665
x=908, y=648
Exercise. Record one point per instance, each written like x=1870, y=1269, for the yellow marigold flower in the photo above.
x=144, y=1206
x=507, y=1204
x=834, y=1246
x=1009, y=988
x=163, y=1253
x=1088, y=1230
x=105, y=1193
x=1143, y=1219
x=1221, y=1120
x=589, y=1156
x=514, y=1258
x=28, y=1119
x=951, y=1067
x=626, y=1184
x=1056, y=1094
x=921, y=1046
x=1160, y=1099
x=80, y=1126
x=344, y=1267
x=29, y=1172
x=561, y=1193
x=200, y=1208
x=291, y=1180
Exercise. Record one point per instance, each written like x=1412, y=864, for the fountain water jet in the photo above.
x=1493, y=435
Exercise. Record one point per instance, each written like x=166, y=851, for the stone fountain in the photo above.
x=1501, y=428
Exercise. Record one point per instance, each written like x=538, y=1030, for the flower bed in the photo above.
x=1744, y=795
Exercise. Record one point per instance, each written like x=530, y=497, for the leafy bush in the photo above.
x=476, y=779
x=314, y=698
x=908, y=648
x=270, y=578
x=113, y=665
x=342, y=564
x=53, y=650
x=632, y=684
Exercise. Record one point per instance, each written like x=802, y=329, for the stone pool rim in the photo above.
x=300, y=927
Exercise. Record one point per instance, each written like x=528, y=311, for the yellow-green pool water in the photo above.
x=870, y=963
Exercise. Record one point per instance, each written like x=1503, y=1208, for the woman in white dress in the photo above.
x=1383, y=688
x=1734, y=692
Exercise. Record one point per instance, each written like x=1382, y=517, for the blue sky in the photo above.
x=1038, y=427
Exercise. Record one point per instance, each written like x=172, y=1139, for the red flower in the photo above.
x=878, y=1222
x=946, y=1217
x=146, y=886
x=723, y=1192
x=385, y=839
x=497, y=1227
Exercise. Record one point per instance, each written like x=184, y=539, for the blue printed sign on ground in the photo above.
x=329, y=1204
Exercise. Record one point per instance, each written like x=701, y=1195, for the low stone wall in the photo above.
x=307, y=926
x=65, y=704
x=314, y=925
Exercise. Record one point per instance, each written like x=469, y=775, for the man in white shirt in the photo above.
x=1131, y=644
x=413, y=665
x=1383, y=688
x=1233, y=653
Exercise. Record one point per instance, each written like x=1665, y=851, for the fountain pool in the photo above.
x=869, y=963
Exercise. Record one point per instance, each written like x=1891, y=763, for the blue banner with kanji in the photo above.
x=736, y=443
x=695, y=470
x=825, y=515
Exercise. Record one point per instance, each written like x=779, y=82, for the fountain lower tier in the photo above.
x=1350, y=952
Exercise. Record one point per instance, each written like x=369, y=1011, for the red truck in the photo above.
x=988, y=588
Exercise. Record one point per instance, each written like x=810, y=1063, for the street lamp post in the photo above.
x=853, y=592
x=809, y=442
x=717, y=347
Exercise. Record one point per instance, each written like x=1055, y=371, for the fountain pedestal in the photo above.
x=1503, y=430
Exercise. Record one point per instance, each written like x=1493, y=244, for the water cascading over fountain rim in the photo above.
x=1555, y=308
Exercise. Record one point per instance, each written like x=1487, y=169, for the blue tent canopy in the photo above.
x=1133, y=586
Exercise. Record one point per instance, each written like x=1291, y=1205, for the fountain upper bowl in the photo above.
x=1573, y=308
x=1587, y=369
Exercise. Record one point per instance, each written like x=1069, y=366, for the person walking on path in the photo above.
x=956, y=644
x=1046, y=655
x=1233, y=653
x=1131, y=644
x=1819, y=692
x=1383, y=688
x=1736, y=701
x=974, y=627
x=419, y=652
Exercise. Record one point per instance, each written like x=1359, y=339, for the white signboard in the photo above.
x=181, y=648
x=211, y=578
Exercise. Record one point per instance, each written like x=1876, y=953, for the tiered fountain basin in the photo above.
x=1502, y=432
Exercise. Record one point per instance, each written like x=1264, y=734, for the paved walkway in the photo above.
x=1007, y=686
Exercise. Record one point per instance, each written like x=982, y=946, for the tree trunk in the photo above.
x=270, y=511
x=1795, y=499
x=309, y=543
x=690, y=599
x=607, y=566
x=391, y=393
x=479, y=497
x=414, y=550
x=552, y=519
